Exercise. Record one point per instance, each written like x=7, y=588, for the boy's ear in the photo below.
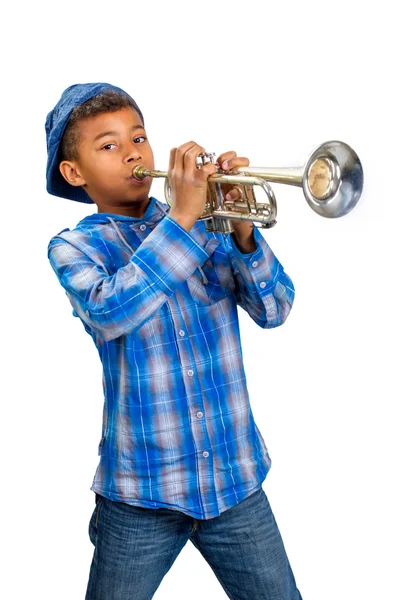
x=71, y=173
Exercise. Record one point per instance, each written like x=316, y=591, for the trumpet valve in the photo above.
x=204, y=158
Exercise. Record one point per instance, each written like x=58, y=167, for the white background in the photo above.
x=271, y=81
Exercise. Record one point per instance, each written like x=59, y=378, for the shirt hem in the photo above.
x=155, y=505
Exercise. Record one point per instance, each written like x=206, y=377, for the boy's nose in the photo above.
x=134, y=154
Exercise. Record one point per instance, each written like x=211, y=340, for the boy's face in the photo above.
x=110, y=145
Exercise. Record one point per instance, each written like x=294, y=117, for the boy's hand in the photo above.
x=188, y=184
x=243, y=230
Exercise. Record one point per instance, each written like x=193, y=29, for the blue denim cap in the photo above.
x=56, y=122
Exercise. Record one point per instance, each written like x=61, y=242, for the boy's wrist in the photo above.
x=245, y=242
x=184, y=220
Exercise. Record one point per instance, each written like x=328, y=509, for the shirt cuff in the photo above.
x=260, y=267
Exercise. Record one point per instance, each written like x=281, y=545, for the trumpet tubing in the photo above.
x=332, y=181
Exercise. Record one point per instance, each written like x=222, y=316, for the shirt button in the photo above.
x=262, y=284
x=199, y=414
x=142, y=227
x=205, y=454
x=255, y=264
x=181, y=332
x=88, y=313
x=190, y=373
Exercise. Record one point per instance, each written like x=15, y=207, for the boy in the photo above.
x=180, y=454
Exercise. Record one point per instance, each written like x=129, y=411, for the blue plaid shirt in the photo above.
x=161, y=306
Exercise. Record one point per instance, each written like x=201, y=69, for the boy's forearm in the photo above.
x=243, y=236
x=116, y=304
x=244, y=242
x=264, y=290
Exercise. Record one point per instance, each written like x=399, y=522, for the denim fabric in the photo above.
x=135, y=547
x=56, y=122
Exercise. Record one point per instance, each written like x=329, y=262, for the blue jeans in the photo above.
x=135, y=547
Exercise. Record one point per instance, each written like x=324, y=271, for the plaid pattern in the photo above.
x=178, y=431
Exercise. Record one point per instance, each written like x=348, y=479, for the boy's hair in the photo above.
x=108, y=101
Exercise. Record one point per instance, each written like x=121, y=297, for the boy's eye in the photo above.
x=138, y=140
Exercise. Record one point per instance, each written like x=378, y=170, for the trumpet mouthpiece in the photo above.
x=139, y=172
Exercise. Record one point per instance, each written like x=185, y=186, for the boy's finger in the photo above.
x=234, y=194
x=206, y=170
x=181, y=152
x=234, y=163
x=189, y=158
x=225, y=156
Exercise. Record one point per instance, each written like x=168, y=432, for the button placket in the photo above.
x=198, y=422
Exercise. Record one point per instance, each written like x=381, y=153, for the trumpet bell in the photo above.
x=333, y=179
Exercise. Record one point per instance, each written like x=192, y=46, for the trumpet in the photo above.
x=332, y=181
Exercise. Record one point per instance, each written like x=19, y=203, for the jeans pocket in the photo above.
x=99, y=504
x=94, y=519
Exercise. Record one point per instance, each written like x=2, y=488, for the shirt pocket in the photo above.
x=214, y=281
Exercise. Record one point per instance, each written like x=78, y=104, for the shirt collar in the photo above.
x=154, y=213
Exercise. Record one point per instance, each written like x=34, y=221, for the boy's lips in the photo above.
x=138, y=181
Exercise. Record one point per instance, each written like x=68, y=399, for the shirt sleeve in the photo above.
x=263, y=289
x=114, y=305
